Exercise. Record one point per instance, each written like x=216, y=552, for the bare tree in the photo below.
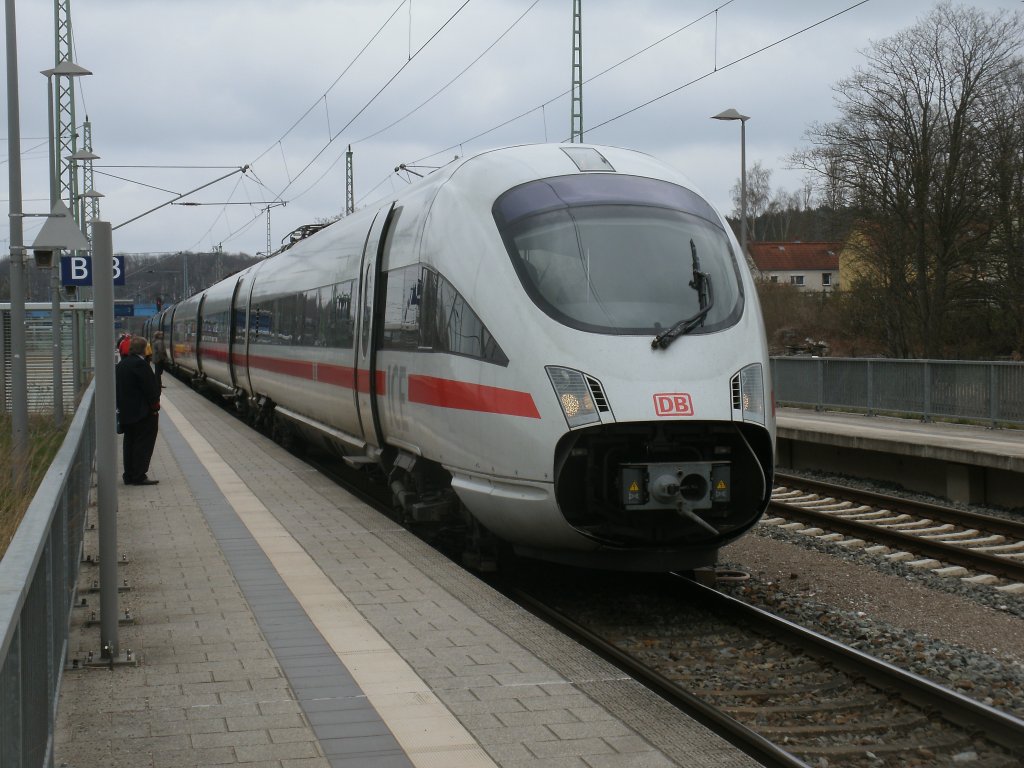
x=1005, y=167
x=759, y=195
x=909, y=152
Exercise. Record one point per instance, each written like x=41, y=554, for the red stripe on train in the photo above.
x=326, y=373
x=445, y=393
x=302, y=369
x=338, y=375
x=425, y=390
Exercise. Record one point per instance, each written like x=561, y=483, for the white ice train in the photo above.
x=558, y=347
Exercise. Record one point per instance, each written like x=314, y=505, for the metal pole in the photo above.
x=76, y=349
x=55, y=320
x=743, y=187
x=106, y=439
x=19, y=371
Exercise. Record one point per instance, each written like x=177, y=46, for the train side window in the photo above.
x=238, y=330
x=450, y=325
x=334, y=313
x=215, y=327
x=260, y=322
x=403, y=292
x=307, y=323
x=284, y=316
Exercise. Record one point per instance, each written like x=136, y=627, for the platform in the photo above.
x=280, y=622
x=971, y=464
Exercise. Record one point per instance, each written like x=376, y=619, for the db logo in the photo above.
x=675, y=404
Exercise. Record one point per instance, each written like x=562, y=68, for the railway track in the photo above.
x=980, y=549
x=784, y=694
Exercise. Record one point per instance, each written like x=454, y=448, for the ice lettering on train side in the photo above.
x=398, y=395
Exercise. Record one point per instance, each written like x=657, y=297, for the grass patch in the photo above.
x=44, y=440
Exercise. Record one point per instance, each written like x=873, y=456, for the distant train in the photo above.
x=556, y=348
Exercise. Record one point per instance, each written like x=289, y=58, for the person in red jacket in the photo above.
x=138, y=407
x=123, y=345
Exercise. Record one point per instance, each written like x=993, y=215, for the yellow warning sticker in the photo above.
x=720, y=486
x=634, y=488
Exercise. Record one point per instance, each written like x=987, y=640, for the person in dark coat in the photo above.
x=160, y=357
x=138, y=406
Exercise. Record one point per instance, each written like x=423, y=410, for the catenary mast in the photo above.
x=350, y=195
x=576, y=135
x=65, y=130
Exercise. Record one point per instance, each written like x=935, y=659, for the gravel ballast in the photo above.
x=968, y=637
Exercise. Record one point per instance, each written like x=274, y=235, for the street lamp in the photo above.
x=58, y=233
x=732, y=114
x=64, y=69
x=19, y=374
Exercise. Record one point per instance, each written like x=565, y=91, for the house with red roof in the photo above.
x=808, y=266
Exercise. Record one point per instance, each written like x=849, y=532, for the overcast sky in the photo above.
x=184, y=91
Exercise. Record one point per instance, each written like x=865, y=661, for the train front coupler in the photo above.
x=685, y=486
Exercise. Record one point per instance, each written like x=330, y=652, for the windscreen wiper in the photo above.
x=701, y=283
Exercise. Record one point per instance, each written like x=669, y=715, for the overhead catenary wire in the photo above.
x=411, y=56
x=587, y=81
x=717, y=68
x=422, y=104
x=333, y=135
x=373, y=98
x=324, y=95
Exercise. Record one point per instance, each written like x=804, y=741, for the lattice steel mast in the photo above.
x=576, y=134
x=350, y=197
x=92, y=199
x=65, y=131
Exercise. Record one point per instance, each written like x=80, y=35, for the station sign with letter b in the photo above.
x=77, y=270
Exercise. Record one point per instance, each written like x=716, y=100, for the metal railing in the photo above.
x=77, y=347
x=932, y=389
x=38, y=578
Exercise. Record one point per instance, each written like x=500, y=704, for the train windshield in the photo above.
x=617, y=254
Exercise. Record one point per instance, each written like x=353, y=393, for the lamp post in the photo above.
x=59, y=233
x=67, y=69
x=732, y=114
x=19, y=373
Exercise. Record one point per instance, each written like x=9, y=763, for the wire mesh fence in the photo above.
x=38, y=576
x=991, y=392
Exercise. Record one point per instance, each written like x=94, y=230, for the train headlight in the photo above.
x=573, y=395
x=748, y=393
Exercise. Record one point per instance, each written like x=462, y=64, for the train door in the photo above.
x=167, y=326
x=199, y=334
x=236, y=327
x=248, y=325
x=368, y=383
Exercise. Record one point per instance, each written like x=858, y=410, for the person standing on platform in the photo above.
x=122, y=345
x=138, y=407
x=160, y=358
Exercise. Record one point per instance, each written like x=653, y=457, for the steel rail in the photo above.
x=1011, y=528
x=737, y=734
x=939, y=550
x=1002, y=728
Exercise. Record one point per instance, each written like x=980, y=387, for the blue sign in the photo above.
x=77, y=270
x=124, y=310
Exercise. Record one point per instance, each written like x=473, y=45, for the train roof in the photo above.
x=498, y=169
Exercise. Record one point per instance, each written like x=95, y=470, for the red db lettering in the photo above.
x=673, y=404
